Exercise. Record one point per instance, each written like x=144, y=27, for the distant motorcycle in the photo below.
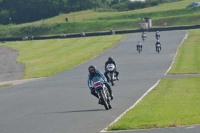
x=144, y=37
x=158, y=48
x=82, y=34
x=111, y=73
x=112, y=32
x=157, y=37
x=102, y=92
x=25, y=38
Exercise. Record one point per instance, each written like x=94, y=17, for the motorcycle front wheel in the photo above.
x=103, y=99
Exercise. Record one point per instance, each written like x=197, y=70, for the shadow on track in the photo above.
x=152, y=53
x=75, y=111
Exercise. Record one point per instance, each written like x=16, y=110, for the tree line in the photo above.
x=22, y=11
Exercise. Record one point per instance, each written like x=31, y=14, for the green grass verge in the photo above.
x=188, y=58
x=174, y=102
x=48, y=57
x=5, y=85
x=153, y=15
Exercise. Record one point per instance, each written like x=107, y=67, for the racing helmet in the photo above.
x=110, y=59
x=92, y=69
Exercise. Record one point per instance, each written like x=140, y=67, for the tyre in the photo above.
x=103, y=100
x=110, y=107
x=111, y=78
x=108, y=100
x=139, y=49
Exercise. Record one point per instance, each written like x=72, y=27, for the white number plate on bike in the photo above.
x=97, y=84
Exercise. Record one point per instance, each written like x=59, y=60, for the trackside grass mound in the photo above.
x=188, y=58
x=48, y=57
x=94, y=26
x=174, y=13
x=174, y=102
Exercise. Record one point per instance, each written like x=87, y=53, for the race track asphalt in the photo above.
x=63, y=103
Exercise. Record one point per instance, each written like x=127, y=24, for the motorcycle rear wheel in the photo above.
x=111, y=78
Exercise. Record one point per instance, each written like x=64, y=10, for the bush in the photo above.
x=154, y=3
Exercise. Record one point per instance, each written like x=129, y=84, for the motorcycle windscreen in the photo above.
x=97, y=82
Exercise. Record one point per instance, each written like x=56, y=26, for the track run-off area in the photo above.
x=63, y=103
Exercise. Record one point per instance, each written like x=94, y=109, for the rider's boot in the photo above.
x=100, y=102
x=111, y=96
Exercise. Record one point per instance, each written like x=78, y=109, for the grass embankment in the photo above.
x=98, y=25
x=48, y=57
x=174, y=102
x=173, y=13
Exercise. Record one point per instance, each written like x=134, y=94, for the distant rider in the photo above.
x=92, y=73
x=158, y=42
x=157, y=35
x=144, y=35
x=139, y=44
x=112, y=31
x=82, y=34
x=111, y=61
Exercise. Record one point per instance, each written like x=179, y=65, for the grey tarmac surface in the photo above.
x=9, y=68
x=63, y=103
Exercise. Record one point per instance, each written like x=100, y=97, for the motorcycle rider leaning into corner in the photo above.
x=139, y=44
x=110, y=61
x=92, y=73
x=158, y=42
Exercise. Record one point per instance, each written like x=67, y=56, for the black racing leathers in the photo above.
x=106, y=72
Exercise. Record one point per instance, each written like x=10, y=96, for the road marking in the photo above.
x=18, y=82
x=105, y=130
x=177, y=53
